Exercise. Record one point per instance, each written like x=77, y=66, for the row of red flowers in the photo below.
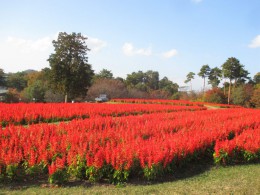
x=112, y=147
x=157, y=101
x=173, y=102
x=245, y=147
x=23, y=113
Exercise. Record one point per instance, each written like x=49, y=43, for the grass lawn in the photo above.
x=195, y=179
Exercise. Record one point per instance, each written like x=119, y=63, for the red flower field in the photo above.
x=116, y=141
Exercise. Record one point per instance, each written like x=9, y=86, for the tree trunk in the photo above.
x=66, y=98
x=204, y=87
x=190, y=86
x=224, y=87
x=229, y=91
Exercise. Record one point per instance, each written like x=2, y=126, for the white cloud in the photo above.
x=129, y=50
x=255, y=42
x=169, y=54
x=28, y=46
x=196, y=1
x=95, y=44
x=19, y=54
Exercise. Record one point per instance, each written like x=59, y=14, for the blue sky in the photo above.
x=172, y=37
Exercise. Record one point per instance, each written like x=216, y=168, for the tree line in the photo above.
x=71, y=77
x=238, y=87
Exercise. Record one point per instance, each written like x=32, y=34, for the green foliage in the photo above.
x=221, y=158
x=2, y=78
x=60, y=176
x=70, y=72
x=255, y=98
x=34, y=170
x=151, y=173
x=168, y=86
x=241, y=95
x=214, y=77
x=36, y=91
x=233, y=70
x=37, y=85
x=119, y=177
x=94, y=174
x=152, y=79
x=236, y=156
x=257, y=78
x=214, y=95
x=189, y=77
x=78, y=170
x=143, y=81
x=13, y=172
x=249, y=156
x=204, y=71
x=104, y=74
x=17, y=80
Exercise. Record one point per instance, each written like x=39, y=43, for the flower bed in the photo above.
x=115, y=148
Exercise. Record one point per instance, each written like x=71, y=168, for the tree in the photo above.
x=168, y=86
x=36, y=91
x=189, y=77
x=70, y=72
x=2, y=78
x=159, y=94
x=214, y=77
x=257, y=78
x=134, y=78
x=255, y=99
x=17, y=80
x=111, y=87
x=53, y=96
x=152, y=79
x=104, y=74
x=204, y=72
x=233, y=70
x=143, y=81
x=37, y=85
x=241, y=95
x=13, y=95
x=135, y=93
x=215, y=95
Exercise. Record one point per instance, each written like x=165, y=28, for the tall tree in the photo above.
x=70, y=72
x=189, y=77
x=214, y=77
x=204, y=72
x=233, y=70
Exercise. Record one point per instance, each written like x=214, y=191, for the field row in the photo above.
x=32, y=113
x=115, y=147
x=172, y=102
x=157, y=101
